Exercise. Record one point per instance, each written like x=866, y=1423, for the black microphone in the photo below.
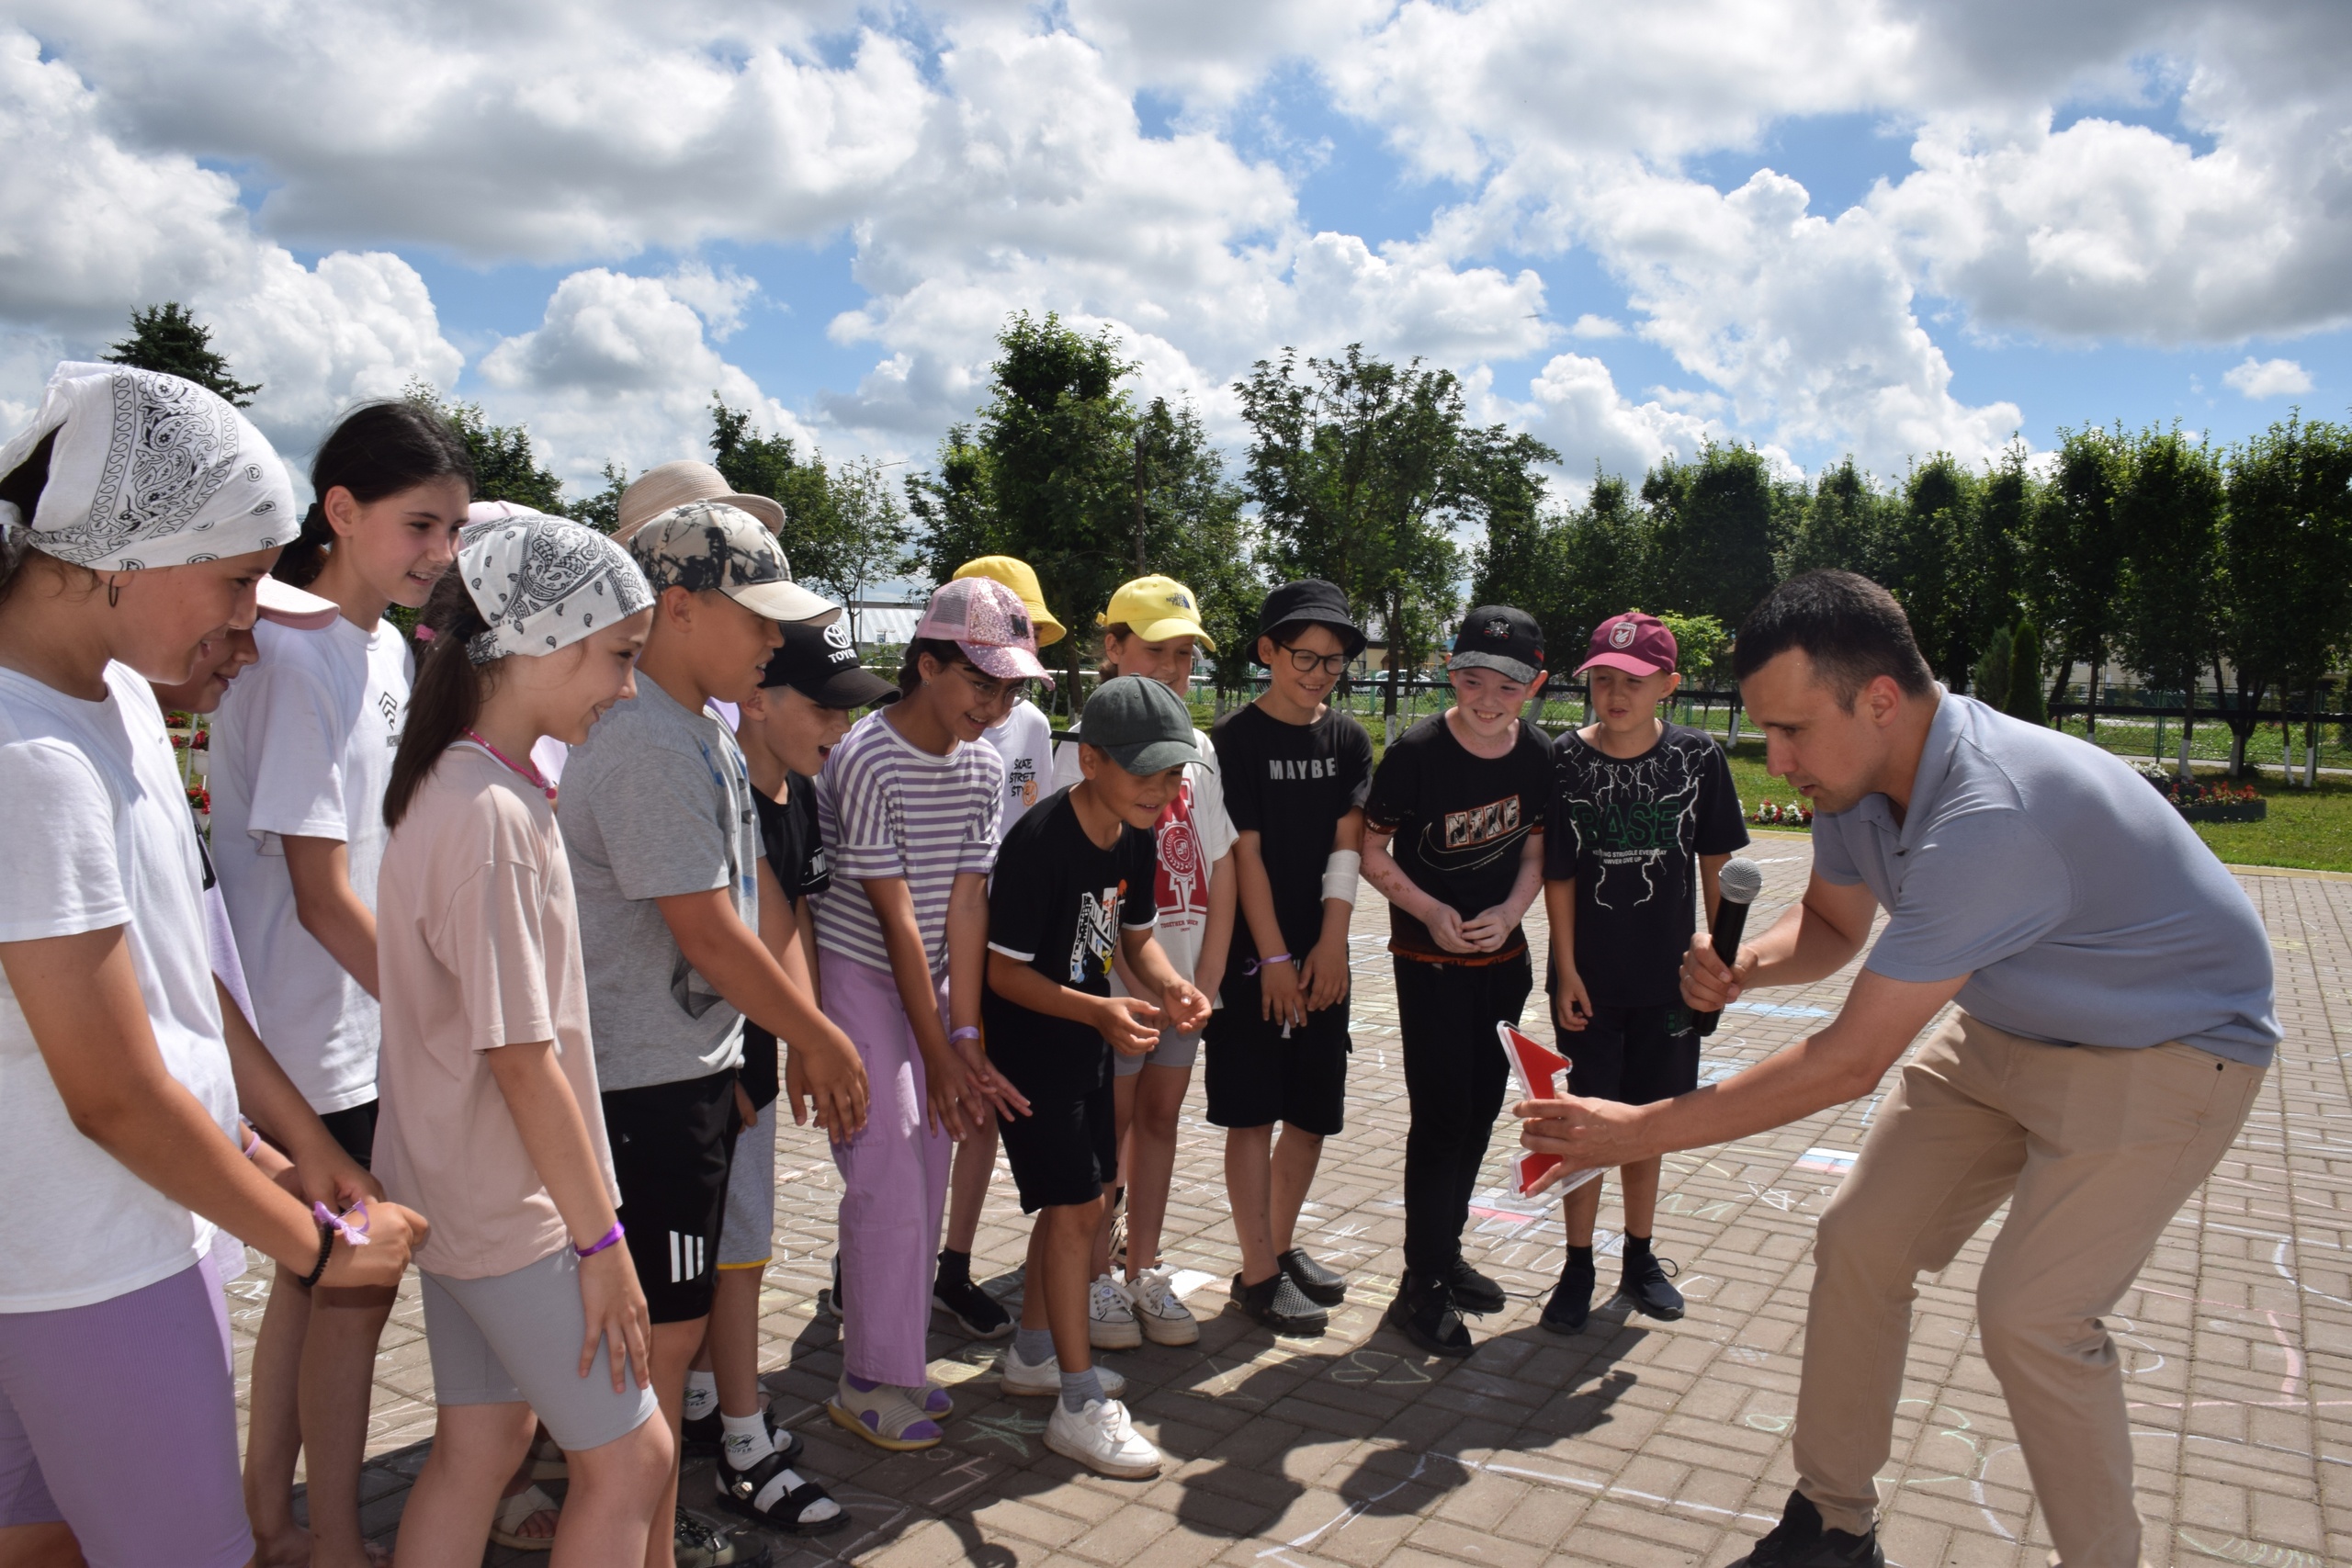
x=1739, y=882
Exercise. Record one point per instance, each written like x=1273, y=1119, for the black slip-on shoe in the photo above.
x=1424, y=1313
x=1571, y=1302
x=1799, y=1542
x=1275, y=1302
x=979, y=1313
x=1645, y=1285
x=1316, y=1283
x=1473, y=1292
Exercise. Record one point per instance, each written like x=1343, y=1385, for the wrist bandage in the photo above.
x=1339, y=875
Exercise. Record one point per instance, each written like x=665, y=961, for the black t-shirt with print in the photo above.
x=1460, y=823
x=1058, y=903
x=1630, y=830
x=1290, y=784
x=796, y=853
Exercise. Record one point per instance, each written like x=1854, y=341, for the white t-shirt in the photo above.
x=1194, y=834
x=1026, y=741
x=302, y=747
x=104, y=839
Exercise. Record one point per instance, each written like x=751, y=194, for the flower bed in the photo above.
x=1772, y=814
x=2219, y=800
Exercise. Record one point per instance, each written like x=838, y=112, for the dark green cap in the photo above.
x=1140, y=724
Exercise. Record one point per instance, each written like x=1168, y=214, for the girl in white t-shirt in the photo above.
x=1152, y=630
x=140, y=512
x=492, y=1118
x=302, y=753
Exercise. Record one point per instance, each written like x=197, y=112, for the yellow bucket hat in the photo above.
x=1022, y=578
x=1158, y=608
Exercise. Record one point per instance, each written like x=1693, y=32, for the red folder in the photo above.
x=1535, y=1063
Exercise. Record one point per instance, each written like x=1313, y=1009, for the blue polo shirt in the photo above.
x=2080, y=906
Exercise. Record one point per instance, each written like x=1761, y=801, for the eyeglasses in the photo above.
x=1306, y=664
x=989, y=689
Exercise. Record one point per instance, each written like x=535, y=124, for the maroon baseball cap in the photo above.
x=1636, y=643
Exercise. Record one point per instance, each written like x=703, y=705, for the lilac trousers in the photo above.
x=894, y=1181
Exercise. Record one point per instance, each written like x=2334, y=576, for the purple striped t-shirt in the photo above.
x=886, y=808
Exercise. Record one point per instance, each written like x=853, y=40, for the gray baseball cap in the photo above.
x=1140, y=724
x=708, y=544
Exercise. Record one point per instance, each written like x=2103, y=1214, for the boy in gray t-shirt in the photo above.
x=664, y=843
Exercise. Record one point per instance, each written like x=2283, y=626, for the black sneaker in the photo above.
x=1645, y=1285
x=704, y=1436
x=1316, y=1283
x=1424, y=1313
x=979, y=1313
x=1799, y=1542
x=1571, y=1301
x=695, y=1544
x=1473, y=1292
x=1276, y=1301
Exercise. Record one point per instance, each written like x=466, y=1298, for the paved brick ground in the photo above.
x=1636, y=1443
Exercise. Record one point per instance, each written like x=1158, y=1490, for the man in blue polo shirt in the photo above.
x=2115, y=1019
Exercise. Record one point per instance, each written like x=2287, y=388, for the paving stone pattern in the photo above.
x=1636, y=1443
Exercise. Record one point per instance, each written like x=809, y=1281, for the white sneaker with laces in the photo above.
x=1100, y=1438
x=1164, y=1317
x=1046, y=1376
x=1111, y=1317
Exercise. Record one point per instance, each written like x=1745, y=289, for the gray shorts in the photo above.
x=747, y=1231
x=515, y=1338
x=1174, y=1050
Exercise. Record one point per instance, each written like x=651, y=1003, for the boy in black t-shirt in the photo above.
x=1643, y=815
x=1073, y=886
x=1295, y=774
x=1453, y=837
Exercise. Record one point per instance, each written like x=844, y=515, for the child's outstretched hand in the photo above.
x=1186, y=1007
x=1130, y=1023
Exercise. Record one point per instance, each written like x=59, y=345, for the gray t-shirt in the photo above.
x=2081, y=907
x=656, y=803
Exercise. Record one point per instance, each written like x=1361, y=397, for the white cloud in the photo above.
x=1591, y=326
x=718, y=297
x=2267, y=377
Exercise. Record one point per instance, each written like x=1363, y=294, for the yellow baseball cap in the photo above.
x=1022, y=578
x=1157, y=608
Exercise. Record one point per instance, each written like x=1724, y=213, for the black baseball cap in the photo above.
x=1309, y=600
x=820, y=663
x=1502, y=638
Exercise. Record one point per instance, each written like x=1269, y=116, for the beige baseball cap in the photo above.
x=710, y=544
x=658, y=489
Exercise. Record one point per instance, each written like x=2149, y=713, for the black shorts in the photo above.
x=1256, y=1077
x=354, y=1128
x=673, y=1143
x=1064, y=1151
x=1633, y=1056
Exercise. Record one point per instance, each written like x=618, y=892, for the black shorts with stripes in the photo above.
x=673, y=1143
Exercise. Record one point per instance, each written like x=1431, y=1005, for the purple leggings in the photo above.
x=157, y=1358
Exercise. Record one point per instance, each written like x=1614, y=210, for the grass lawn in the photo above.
x=2307, y=828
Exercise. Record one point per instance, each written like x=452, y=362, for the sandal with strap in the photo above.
x=776, y=1495
x=514, y=1513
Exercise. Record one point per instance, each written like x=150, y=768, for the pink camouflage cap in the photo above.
x=988, y=621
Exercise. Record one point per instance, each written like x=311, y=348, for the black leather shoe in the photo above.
x=1645, y=1285
x=1571, y=1301
x=1473, y=1292
x=1799, y=1542
x=1316, y=1283
x=1275, y=1302
x=1424, y=1313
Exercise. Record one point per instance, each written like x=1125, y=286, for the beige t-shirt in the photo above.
x=477, y=946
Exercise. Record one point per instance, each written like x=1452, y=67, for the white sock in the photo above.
x=784, y=1480
x=702, y=1394
x=747, y=1441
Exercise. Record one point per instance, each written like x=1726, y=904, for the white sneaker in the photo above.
x=1111, y=1317
x=1164, y=1317
x=1046, y=1376
x=1100, y=1438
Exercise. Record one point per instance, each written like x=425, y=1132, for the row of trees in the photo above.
x=2192, y=565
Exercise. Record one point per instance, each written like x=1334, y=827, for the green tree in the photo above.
x=953, y=507
x=755, y=464
x=1701, y=646
x=870, y=538
x=507, y=465
x=1990, y=680
x=1570, y=569
x=165, y=337
x=2075, y=553
x=1842, y=527
x=1928, y=567
x=1716, y=522
x=2284, y=591
x=1996, y=545
x=601, y=511
x=2169, y=512
x=2026, y=701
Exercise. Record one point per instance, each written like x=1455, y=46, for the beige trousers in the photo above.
x=2096, y=1150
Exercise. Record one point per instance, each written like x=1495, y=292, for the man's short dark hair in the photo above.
x=1850, y=628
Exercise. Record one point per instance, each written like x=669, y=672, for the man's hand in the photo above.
x=826, y=1080
x=1325, y=973
x=1280, y=998
x=1708, y=985
x=1583, y=1133
x=1130, y=1023
x=1571, y=1003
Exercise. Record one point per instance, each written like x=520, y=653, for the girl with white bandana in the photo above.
x=492, y=1116
x=302, y=752
x=137, y=516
